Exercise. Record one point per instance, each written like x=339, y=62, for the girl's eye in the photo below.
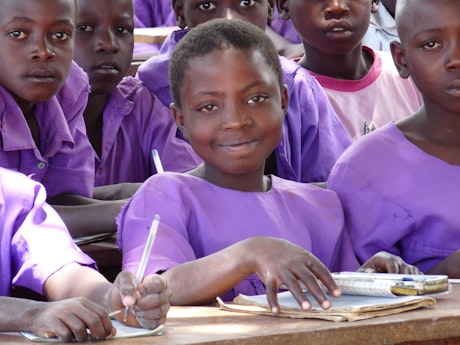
x=257, y=99
x=207, y=108
x=17, y=34
x=247, y=3
x=207, y=6
x=84, y=27
x=61, y=36
x=430, y=45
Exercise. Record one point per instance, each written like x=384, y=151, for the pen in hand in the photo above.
x=145, y=256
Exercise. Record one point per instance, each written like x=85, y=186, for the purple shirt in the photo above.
x=134, y=123
x=199, y=218
x=64, y=161
x=313, y=136
x=398, y=198
x=284, y=28
x=34, y=241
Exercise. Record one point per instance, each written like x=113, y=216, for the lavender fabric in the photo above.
x=34, y=241
x=199, y=218
x=398, y=198
x=134, y=123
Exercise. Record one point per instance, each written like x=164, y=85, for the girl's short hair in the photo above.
x=219, y=34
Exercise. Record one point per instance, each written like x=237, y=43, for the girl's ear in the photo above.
x=178, y=8
x=271, y=6
x=283, y=8
x=179, y=119
x=374, y=6
x=284, y=99
x=397, y=51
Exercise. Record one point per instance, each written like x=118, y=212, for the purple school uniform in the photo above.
x=284, y=28
x=398, y=198
x=34, y=241
x=313, y=136
x=64, y=163
x=134, y=123
x=199, y=219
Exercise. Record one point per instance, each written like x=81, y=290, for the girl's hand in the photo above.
x=384, y=262
x=71, y=318
x=280, y=262
x=149, y=301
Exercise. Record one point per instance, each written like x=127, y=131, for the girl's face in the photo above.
x=333, y=27
x=232, y=116
x=431, y=51
x=104, y=41
x=36, y=46
x=195, y=12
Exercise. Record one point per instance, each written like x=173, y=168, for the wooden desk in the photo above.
x=209, y=325
x=155, y=35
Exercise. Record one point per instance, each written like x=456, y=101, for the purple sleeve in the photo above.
x=40, y=243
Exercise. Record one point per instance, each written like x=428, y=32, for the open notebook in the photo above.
x=122, y=332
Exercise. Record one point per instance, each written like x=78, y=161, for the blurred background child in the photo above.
x=363, y=85
x=400, y=185
x=124, y=121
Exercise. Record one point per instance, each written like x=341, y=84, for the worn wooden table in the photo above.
x=209, y=325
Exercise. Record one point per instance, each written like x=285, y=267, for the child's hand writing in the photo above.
x=280, y=262
x=149, y=301
x=384, y=262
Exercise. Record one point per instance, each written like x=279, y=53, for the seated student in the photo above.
x=124, y=120
x=225, y=221
x=42, y=98
x=313, y=136
x=38, y=253
x=382, y=27
x=399, y=185
x=363, y=85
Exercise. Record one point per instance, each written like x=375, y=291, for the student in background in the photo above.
x=313, y=136
x=226, y=228
x=42, y=98
x=400, y=185
x=38, y=253
x=363, y=85
x=382, y=27
x=124, y=121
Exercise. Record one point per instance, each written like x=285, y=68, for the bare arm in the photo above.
x=117, y=191
x=449, y=266
x=277, y=262
x=85, y=216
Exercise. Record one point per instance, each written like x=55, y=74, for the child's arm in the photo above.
x=449, y=266
x=277, y=262
x=117, y=191
x=83, y=216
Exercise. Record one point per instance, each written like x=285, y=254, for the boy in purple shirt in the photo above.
x=226, y=227
x=37, y=252
x=124, y=121
x=400, y=184
x=313, y=136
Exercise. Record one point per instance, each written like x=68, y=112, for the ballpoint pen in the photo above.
x=145, y=256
